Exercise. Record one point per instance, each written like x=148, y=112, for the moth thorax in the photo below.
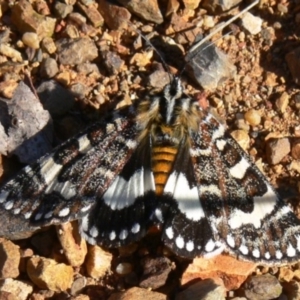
x=163, y=157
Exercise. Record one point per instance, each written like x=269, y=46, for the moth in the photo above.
x=163, y=161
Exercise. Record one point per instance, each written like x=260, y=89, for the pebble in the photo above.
x=124, y=268
x=253, y=117
x=242, y=137
x=79, y=90
x=113, y=62
x=31, y=40
x=92, y=13
x=138, y=294
x=77, y=18
x=222, y=266
x=73, y=245
x=293, y=62
x=98, y=261
x=115, y=16
x=55, y=98
x=26, y=19
x=282, y=102
x=74, y=52
x=285, y=274
x=159, y=79
x=262, y=287
x=9, y=259
x=146, y=10
x=10, y=52
x=277, y=149
x=48, y=45
x=78, y=285
x=48, y=274
x=296, y=150
x=191, y=4
x=251, y=23
x=209, y=67
x=62, y=10
x=155, y=272
x=20, y=289
x=49, y=68
x=205, y=290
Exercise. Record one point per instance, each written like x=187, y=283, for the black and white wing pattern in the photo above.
x=65, y=184
x=242, y=208
x=165, y=163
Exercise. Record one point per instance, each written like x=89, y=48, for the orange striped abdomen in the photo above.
x=162, y=162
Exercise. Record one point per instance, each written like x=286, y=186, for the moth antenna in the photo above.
x=166, y=67
x=219, y=28
x=222, y=26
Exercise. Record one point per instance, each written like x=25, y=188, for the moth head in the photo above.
x=173, y=90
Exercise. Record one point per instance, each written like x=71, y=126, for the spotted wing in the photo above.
x=122, y=215
x=65, y=184
x=186, y=229
x=242, y=207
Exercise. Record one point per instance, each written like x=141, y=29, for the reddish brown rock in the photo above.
x=138, y=293
x=115, y=16
x=19, y=289
x=74, y=246
x=233, y=272
x=48, y=274
x=9, y=259
x=92, y=14
x=277, y=149
x=98, y=261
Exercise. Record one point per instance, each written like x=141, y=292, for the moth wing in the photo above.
x=242, y=207
x=186, y=229
x=65, y=184
x=123, y=213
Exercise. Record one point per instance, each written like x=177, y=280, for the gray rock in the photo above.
x=27, y=126
x=76, y=51
x=262, y=287
x=49, y=68
x=55, y=98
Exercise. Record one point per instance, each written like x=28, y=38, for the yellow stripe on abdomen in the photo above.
x=162, y=162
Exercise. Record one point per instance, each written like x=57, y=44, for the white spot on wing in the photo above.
x=17, y=211
x=170, y=233
x=94, y=232
x=158, y=214
x=84, y=144
x=186, y=197
x=27, y=215
x=244, y=249
x=123, y=234
x=123, y=193
x=50, y=169
x=278, y=254
x=291, y=251
x=131, y=144
x=262, y=206
x=135, y=228
x=9, y=205
x=112, y=235
x=238, y=171
x=189, y=246
x=179, y=242
x=3, y=196
x=256, y=253
x=38, y=216
x=220, y=144
x=267, y=255
x=230, y=241
x=200, y=152
x=86, y=208
x=218, y=133
x=210, y=246
x=212, y=189
x=64, y=212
